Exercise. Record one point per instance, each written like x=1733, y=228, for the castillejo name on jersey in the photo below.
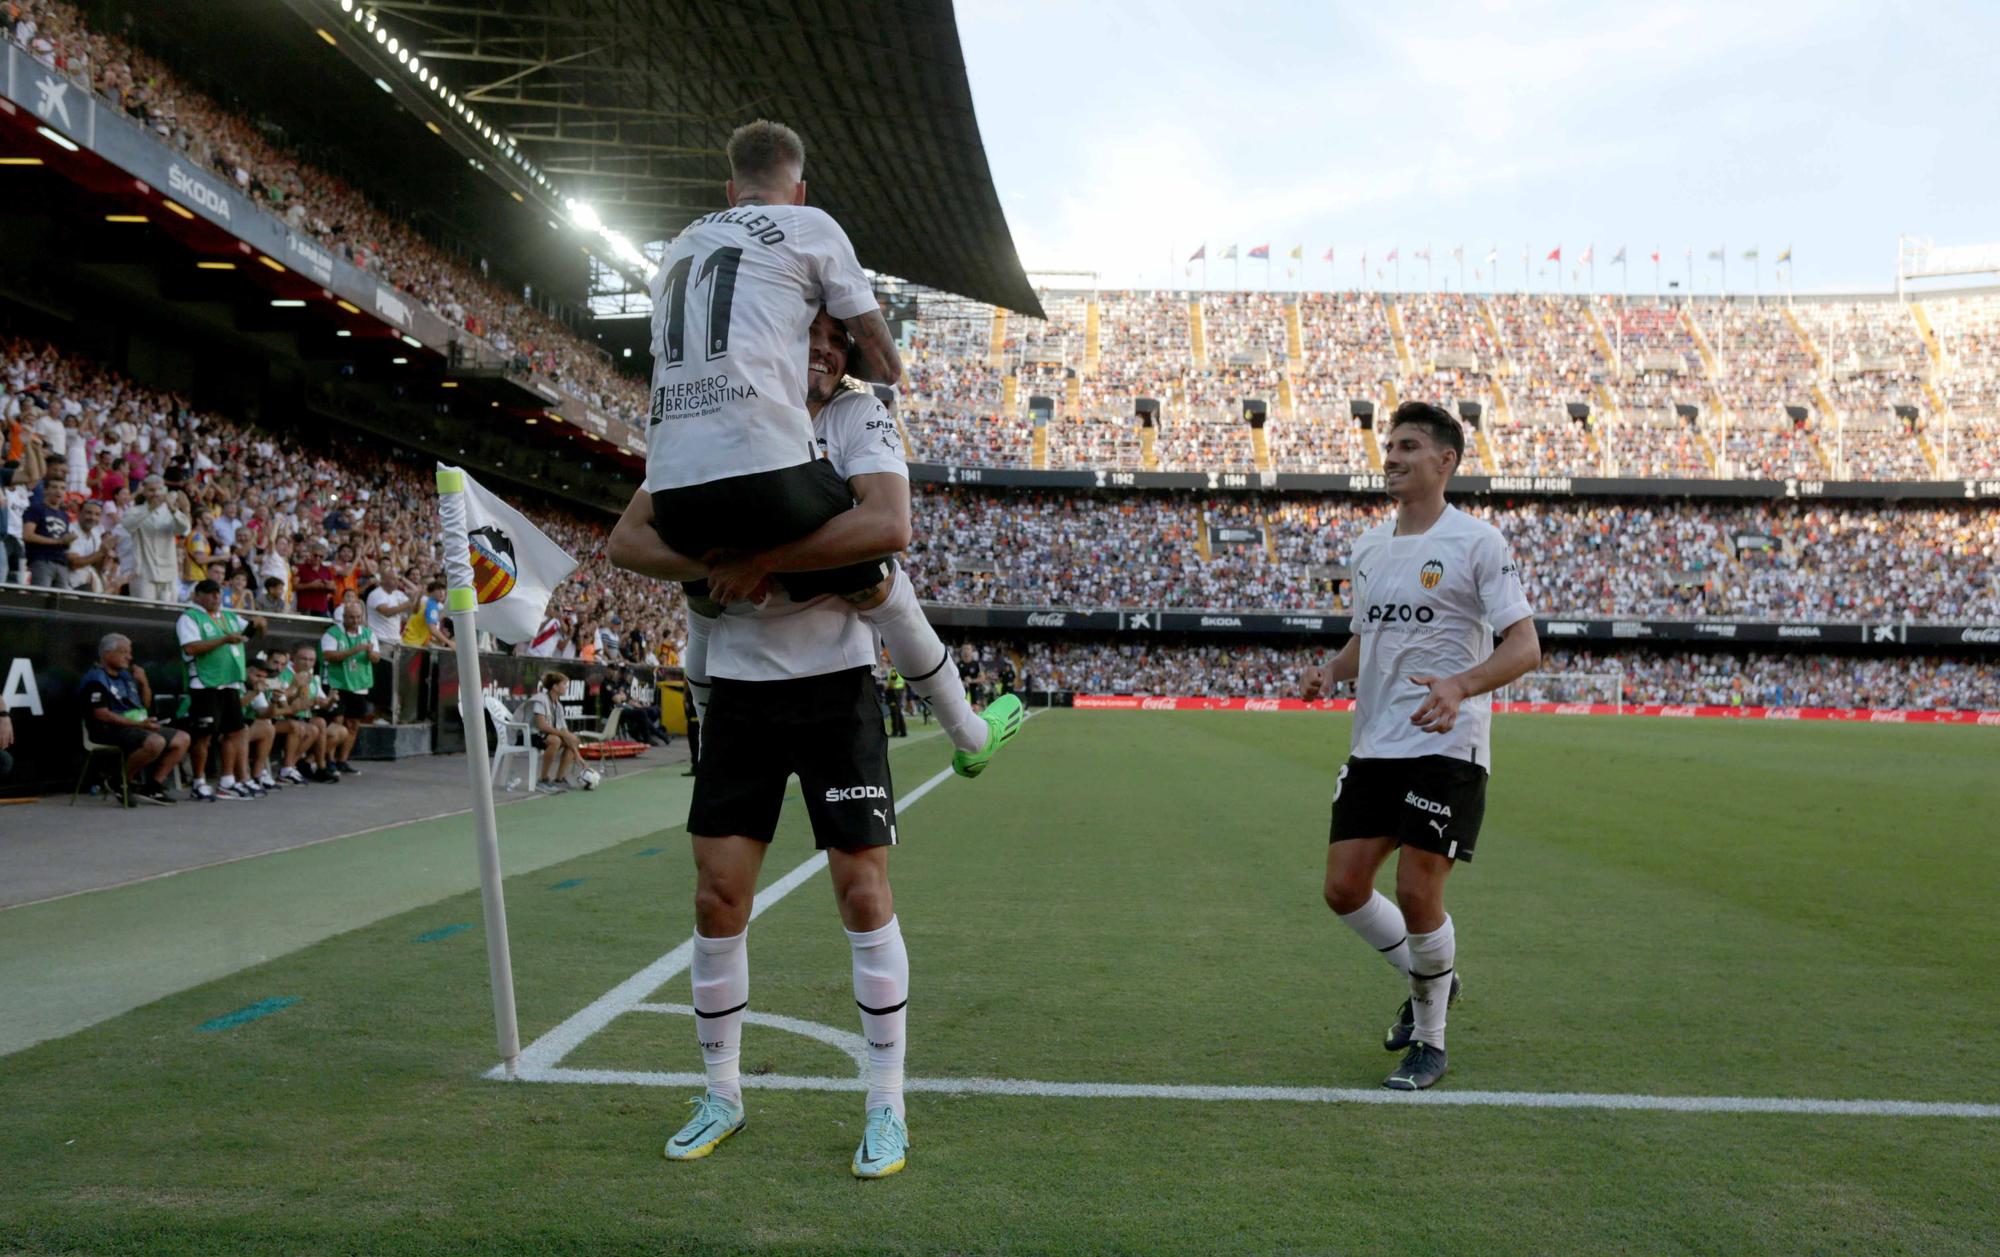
x=762, y=228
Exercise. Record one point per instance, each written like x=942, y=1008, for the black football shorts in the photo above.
x=756, y=512
x=1432, y=802
x=827, y=729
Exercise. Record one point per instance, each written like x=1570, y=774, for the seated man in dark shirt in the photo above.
x=119, y=702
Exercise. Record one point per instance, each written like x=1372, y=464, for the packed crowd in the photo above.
x=1196, y=669
x=1859, y=370
x=119, y=489
x=1581, y=558
x=304, y=191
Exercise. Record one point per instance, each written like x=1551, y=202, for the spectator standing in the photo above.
x=388, y=602
x=314, y=581
x=273, y=597
x=425, y=626
x=156, y=526
x=90, y=556
x=45, y=528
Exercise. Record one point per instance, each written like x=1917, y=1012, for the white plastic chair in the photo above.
x=513, y=740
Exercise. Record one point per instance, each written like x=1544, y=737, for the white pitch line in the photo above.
x=547, y=1052
x=1783, y=1105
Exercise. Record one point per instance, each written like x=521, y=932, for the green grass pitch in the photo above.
x=1685, y=908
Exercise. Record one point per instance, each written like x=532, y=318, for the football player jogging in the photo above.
x=1431, y=590
x=732, y=464
x=793, y=692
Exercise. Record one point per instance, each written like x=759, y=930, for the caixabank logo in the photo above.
x=1430, y=574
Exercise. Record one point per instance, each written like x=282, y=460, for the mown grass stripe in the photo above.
x=652, y=851
x=568, y=883
x=249, y=1012
x=443, y=931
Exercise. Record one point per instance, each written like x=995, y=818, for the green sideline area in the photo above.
x=71, y=962
x=1684, y=908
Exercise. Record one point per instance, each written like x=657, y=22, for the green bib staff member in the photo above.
x=349, y=649
x=212, y=638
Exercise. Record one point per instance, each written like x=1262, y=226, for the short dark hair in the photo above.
x=273, y=582
x=1435, y=420
x=207, y=587
x=436, y=584
x=757, y=149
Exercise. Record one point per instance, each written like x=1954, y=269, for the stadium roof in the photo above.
x=626, y=104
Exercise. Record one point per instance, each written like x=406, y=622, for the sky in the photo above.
x=1123, y=135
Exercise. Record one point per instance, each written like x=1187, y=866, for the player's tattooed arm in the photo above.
x=636, y=546
x=875, y=356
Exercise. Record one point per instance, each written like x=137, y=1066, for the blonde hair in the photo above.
x=758, y=150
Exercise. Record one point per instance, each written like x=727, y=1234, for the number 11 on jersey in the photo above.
x=718, y=271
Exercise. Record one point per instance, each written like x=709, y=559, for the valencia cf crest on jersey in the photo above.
x=493, y=563
x=1432, y=573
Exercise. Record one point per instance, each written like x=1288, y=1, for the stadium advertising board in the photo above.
x=1549, y=486
x=1334, y=625
x=1864, y=715
x=1235, y=534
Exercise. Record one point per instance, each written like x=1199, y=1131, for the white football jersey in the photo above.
x=784, y=639
x=1428, y=604
x=733, y=301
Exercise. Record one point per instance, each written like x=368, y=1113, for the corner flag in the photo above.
x=514, y=567
x=499, y=571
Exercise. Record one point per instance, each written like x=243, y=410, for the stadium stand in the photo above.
x=320, y=204
x=260, y=503
x=1192, y=668
x=1876, y=403
x=1688, y=560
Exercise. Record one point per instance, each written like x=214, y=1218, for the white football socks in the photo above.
x=882, y=989
x=1381, y=924
x=721, y=978
x=1432, y=956
x=694, y=660
x=926, y=663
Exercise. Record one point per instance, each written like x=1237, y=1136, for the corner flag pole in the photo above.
x=462, y=603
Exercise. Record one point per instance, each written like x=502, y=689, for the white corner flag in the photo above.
x=499, y=571
x=514, y=567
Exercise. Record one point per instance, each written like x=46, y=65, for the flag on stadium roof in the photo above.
x=1458, y=253
x=1392, y=253
x=1555, y=254
x=1298, y=253
x=1262, y=251
x=1589, y=254
x=1493, y=256
x=1786, y=256
x=1329, y=254
x=1618, y=258
x=1423, y=254
x=1199, y=254
x=1750, y=254
x=1227, y=255
x=1715, y=255
x=1656, y=253
x=512, y=567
